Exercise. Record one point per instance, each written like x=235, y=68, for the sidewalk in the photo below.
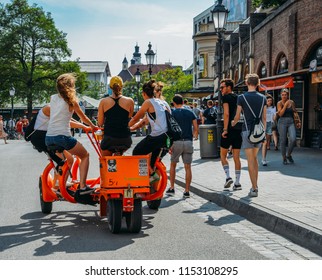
x=290, y=196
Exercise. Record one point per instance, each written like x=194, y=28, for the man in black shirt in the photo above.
x=231, y=136
x=183, y=147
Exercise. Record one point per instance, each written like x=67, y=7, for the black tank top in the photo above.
x=288, y=113
x=116, y=121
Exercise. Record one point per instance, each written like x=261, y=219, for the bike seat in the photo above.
x=118, y=149
x=55, y=148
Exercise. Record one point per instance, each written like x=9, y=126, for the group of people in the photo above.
x=13, y=126
x=115, y=115
x=235, y=134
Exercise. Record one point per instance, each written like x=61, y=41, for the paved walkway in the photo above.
x=290, y=196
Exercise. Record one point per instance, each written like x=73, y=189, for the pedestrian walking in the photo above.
x=183, y=147
x=286, y=126
x=231, y=136
x=270, y=115
x=3, y=134
x=251, y=102
x=209, y=116
x=19, y=128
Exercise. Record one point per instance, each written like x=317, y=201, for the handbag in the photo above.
x=297, y=120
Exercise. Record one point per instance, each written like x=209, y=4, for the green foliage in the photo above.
x=174, y=80
x=32, y=51
x=267, y=3
x=95, y=89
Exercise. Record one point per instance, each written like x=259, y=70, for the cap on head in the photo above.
x=116, y=80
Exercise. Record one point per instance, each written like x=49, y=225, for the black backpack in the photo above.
x=174, y=130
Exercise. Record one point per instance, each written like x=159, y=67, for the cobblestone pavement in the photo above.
x=290, y=196
x=267, y=243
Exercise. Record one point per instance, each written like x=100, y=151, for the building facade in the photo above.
x=284, y=47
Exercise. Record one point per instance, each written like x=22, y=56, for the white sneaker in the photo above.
x=264, y=162
x=253, y=193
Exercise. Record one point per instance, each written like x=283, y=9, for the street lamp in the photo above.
x=219, y=16
x=138, y=80
x=12, y=92
x=150, y=54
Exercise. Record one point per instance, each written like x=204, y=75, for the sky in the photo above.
x=108, y=30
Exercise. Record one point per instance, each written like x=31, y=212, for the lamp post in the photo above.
x=12, y=92
x=138, y=80
x=149, y=55
x=219, y=16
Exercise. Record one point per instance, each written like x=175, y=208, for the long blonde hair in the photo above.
x=65, y=85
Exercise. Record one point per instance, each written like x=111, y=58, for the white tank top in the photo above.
x=159, y=125
x=59, y=117
x=42, y=121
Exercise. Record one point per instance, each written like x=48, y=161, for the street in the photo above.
x=191, y=229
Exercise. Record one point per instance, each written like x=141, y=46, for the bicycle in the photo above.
x=118, y=192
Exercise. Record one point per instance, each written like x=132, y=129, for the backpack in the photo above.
x=30, y=129
x=256, y=131
x=174, y=130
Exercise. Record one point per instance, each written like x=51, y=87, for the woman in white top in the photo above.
x=62, y=106
x=270, y=115
x=154, y=110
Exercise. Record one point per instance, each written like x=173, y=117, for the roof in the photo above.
x=90, y=101
x=95, y=67
x=155, y=68
x=126, y=75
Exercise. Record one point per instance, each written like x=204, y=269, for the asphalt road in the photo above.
x=191, y=229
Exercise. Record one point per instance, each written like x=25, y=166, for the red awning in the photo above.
x=278, y=83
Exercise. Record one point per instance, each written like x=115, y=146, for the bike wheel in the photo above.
x=46, y=207
x=114, y=215
x=154, y=204
x=134, y=218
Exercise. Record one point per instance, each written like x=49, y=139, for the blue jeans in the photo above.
x=286, y=127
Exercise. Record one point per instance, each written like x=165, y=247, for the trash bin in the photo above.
x=208, y=141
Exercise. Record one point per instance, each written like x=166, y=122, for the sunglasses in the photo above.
x=222, y=87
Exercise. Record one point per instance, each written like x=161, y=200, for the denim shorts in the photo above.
x=269, y=128
x=67, y=142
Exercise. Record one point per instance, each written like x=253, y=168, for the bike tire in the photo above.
x=115, y=215
x=134, y=219
x=154, y=204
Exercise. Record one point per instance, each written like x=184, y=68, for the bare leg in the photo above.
x=187, y=167
x=173, y=166
x=82, y=153
x=251, y=155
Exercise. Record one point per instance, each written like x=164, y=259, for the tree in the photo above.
x=32, y=52
x=267, y=3
x=174, y=80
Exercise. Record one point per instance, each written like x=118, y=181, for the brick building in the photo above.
x=284, y=47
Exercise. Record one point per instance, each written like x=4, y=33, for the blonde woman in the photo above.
x=62, y=106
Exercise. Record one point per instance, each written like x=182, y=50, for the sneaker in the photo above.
x=170, y=191
x=237, y=187
x=284, y=161
x=290, y=159
x=86, y=190
x=186, y=194
x=228, y=183
x=264, y=162
x=154, y=178
x=253, y=193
